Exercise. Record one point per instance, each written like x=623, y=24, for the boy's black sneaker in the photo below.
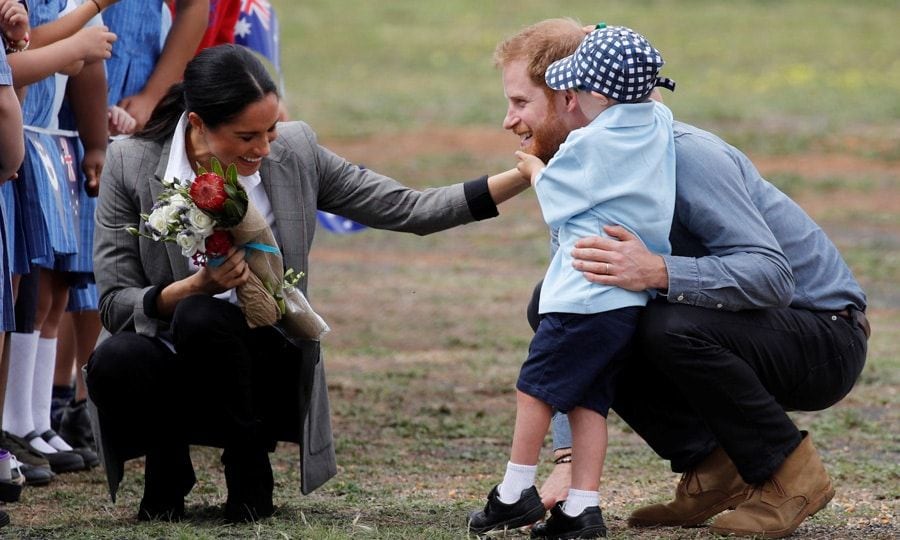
x=588, y=524
x=498, y=516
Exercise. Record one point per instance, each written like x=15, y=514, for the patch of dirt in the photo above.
x=871, y=184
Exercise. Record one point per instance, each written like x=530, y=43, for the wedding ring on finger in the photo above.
x=607, y=268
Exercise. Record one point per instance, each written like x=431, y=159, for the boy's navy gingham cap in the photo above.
x=614, y=61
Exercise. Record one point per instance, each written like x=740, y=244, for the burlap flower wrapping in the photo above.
x=259, y=296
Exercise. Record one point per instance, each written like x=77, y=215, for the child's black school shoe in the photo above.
x=588, y=524
x=497, y=515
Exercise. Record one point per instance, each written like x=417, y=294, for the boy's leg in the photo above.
x=532, y=422
x=589, y=441
x=515, y=502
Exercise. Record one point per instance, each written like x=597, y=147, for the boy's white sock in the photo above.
x=517, y=478
x=17, y=404
x=578, y=500
x=42, y=391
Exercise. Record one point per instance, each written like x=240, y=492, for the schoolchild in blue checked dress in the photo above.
x=44, y=212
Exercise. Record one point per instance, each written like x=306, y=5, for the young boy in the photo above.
x=619, y=169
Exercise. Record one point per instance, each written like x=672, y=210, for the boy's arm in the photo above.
x=88, y=103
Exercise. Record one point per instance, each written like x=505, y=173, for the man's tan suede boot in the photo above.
x=797, y=490
x=712, y=487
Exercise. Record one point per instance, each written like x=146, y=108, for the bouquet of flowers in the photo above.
x=209, y=216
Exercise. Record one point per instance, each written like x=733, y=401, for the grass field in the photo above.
x=429, y=332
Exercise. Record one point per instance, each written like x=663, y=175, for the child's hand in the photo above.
x=94, y=43
x=13, y=21
x=529, y=166
x=120, y=122
x=92, y=165
x=139, y=107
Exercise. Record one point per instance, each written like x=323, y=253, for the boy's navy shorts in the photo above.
x=574, y=359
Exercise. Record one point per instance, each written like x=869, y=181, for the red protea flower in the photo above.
x=208, y=192
x=218, y=243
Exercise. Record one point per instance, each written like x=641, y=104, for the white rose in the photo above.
x=200, y=221
x=158, y=220
x=177, y=199
x=189, y=242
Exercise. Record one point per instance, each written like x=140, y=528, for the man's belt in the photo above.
x=858, y=317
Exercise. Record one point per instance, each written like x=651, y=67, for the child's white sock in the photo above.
x=42, y=386
x=17, y=404
x=578, y=500
x=42, y=391
x=517, y=478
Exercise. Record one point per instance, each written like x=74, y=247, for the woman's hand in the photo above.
x=233, y=271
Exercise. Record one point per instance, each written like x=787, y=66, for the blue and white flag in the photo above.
x=257, y=29
x=338, y=224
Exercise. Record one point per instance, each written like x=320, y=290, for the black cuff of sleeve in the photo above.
x=481, y=205
x=150, y=298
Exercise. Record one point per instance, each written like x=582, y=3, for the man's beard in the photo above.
x=545, y=140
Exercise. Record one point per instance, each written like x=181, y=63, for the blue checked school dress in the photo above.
x=79, y=266
x=44, y=210
x=138, y=24
x=7, y=316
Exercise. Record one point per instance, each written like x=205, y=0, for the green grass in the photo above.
x=797, y=70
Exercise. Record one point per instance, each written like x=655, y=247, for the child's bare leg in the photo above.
x=589, y=441
x=532, y=422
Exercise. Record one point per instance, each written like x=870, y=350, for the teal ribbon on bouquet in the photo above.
x=217, y=261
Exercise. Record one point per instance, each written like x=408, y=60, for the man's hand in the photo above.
x=556, y=487
x=529, y=166
x=622, y=261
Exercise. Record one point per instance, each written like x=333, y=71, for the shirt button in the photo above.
x=680, y=297
x=719, y=306
x=834, y=317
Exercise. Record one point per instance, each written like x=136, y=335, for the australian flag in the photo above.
x=257, y=29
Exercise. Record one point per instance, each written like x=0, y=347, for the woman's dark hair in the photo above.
x=218, y=84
